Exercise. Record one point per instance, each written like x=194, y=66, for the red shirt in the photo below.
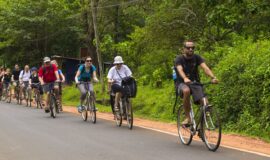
x=48, y=76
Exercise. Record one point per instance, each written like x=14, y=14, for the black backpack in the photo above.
x=129, y=85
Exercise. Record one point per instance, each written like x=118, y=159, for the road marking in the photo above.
x=173, y=134
x=225, y=146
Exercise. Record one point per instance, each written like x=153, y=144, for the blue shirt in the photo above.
x=86, y=76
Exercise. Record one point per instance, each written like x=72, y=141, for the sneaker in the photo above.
x=80, y=108
x=47, y=110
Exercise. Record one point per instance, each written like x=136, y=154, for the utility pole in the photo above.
x=94, y=15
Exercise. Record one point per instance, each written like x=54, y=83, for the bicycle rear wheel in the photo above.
x=129, y=113
x=93, y=113
x=211, y=128
x=184, y=132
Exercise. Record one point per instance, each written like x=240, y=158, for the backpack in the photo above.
x=129, y=85
x=44, y=68
x=83, y=69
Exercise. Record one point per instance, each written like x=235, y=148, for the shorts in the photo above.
x=117, y=88
x=37, y=86
x=197, y=91
x=49, y=86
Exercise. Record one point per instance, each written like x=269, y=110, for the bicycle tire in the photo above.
x=211, y=123
x=9, y=97
x=86, y=106
x=30, y=97
x=52, y=106
x=93, y=113
x=184, y=132
x=129, y=113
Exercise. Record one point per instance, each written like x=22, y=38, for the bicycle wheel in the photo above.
x=29, y=98
x=9, y=97
x=184, y=132
x=53, y=106
x=211, y=128
x=129, y=113
x=17, y=94
x=93, y=110
x=85, y=109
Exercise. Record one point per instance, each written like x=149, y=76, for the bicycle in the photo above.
x=17, y=92
x=125, y=111
x=37, y=95
x=28, y=96
x=208, y=124
x=6, y=95
x=52, y=100
x=89, y=105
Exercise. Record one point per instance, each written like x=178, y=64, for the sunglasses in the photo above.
x=88, y=60
x=188, y=48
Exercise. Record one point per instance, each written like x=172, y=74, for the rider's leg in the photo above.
x=186, y=103
x=117, y=89
x=83, y=93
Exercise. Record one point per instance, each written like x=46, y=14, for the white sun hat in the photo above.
x=46, y=59
x=118, y=60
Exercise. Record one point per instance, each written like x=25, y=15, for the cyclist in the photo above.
x=187, y=72
x=48, y=74
x=15, y=77
x=2, y=72
x=6, y=80
x=24, y=80
x=115, y=76
x=34, y=81
x=85, y=73
x=62, y=80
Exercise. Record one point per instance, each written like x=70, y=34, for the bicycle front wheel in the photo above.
x=93, y=113
x=184, y=132
x=129, y=113
x=53, y=107
x=211, y=128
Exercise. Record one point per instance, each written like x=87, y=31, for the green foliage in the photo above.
x=243, y=94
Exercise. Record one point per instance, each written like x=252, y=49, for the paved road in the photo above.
x=30, y=134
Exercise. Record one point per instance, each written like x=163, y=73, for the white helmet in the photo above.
x=118, y=60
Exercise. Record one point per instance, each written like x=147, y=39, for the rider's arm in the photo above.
x=21, y=76
x=12, y=78
x=95, y=76
x=207, y=70
x=57, y=75
x=182, y=73
x=77, y=76
x=63, y=77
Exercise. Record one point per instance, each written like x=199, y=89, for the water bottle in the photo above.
x=174, y=74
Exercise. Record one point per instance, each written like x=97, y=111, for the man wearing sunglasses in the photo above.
x=85, y=73
x=187, y=66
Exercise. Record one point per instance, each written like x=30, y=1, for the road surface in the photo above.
x=30, y=134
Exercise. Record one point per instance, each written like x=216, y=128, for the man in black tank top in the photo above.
x=187, y=72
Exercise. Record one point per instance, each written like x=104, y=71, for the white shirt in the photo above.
x=124, y=71
x=26, y=76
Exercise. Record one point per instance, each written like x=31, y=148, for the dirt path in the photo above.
x=228, y=140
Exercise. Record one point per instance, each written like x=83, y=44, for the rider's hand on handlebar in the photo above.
x=187, y=80
x=214, y=80
x=95, y=80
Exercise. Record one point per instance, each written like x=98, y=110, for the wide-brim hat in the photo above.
x=46, y=59
x=118, y=60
